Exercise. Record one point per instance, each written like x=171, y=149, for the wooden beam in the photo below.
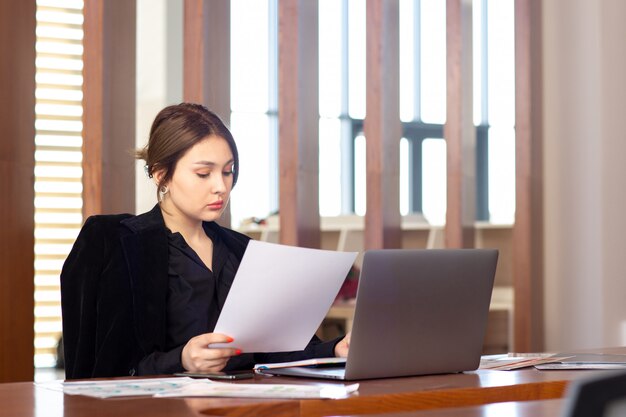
x=459, y=131
x=109, y=106
x=298, y=122
x=382, y=126
x=528, y=228
x=206, y=60
x=17, y=167
x=206, y=57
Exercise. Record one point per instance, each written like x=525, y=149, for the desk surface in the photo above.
x=543, y=408
x=397, y=395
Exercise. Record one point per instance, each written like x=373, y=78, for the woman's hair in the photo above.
x=175, y=130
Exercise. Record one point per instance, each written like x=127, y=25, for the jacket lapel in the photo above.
x=146, y=253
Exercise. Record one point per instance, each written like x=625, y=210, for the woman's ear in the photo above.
x=158, y=176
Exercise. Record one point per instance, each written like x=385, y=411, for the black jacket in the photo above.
x=114, y=287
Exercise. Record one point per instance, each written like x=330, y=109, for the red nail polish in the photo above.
x=230, y=339
x=238, y=352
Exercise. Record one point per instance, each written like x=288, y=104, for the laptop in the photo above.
x=418, y=312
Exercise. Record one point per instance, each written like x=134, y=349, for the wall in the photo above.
x=585, y=266
x=159, y=76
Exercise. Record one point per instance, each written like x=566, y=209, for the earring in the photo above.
x=162, y=191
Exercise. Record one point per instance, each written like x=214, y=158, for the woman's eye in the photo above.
x=203, y=175
x=228, y=173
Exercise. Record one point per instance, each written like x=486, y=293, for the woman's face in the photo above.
x=203, y=178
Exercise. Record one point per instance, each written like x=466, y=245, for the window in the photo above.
x=254, y=117
x=58, y=158
x=423, y=107
x=342, y=107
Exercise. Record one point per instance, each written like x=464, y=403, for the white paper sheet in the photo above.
x=280, y=296
x=207, y=388
x=188, y=387
x=118, y=387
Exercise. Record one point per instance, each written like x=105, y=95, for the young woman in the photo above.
x=141, y=294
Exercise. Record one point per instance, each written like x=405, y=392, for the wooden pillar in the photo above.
x=382, y=126
x=528, y=227
x=298, y=122
x=109, y=106
x=206, y=60
x=17, y=165
x=459, y=130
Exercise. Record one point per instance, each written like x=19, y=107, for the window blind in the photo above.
x=58, y=158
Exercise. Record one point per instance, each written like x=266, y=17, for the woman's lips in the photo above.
x=216, y=205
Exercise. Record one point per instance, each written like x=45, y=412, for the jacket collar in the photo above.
x=152, y=219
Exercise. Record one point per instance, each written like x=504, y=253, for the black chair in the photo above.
x=603, y=396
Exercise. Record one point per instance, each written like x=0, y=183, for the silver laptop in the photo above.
x=418, y=312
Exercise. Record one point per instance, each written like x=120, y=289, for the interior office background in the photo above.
x=583, y=64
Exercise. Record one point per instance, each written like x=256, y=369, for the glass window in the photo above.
x=253, y=117
x=434, y=180
x=356, y=58
x=501, y=110
x=433, y=58
x=342, y=106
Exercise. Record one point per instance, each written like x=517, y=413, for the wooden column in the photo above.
x=528, y=227
x=298, y=122
x=109, y=106
x=459, y=130
x=206, y=60
x=382, y=126
x=17, y=165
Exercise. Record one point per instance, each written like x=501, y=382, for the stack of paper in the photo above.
x=512, y=361
x=587, y=361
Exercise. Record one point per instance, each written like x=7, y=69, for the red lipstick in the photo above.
x=217, y=205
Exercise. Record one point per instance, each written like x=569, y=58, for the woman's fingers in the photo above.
x=343, y=347
x=208, y=338
x=198, y=355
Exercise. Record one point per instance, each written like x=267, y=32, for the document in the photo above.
x=117, y=387
x=511, y=361
x=591, y=361
x=189, y=387
x=206, y=388
x=280, y=296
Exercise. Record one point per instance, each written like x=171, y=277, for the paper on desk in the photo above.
x=588, y=361
x=206, y=388
x=118, y=387
x=562, y=366
x=511, y=361
x=280, y=296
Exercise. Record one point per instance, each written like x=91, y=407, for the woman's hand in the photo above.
x=198, y=356
x=342, y=348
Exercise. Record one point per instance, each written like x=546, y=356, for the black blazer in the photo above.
x=114, y=287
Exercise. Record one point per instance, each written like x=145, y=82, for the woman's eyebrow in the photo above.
x=207, y=163
x=212, y=164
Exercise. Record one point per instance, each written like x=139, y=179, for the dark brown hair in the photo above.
x=175, y=130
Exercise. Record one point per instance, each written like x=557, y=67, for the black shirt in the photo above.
x=196, y=294
x=195, y=299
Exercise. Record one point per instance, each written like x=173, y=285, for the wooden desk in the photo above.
x=418, y=393
x=543, y=408
x=381, y=396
